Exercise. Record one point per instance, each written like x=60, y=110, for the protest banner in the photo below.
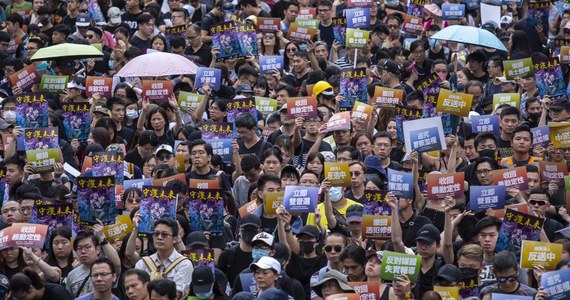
x=116, y=232
x=512, y=99
x=76, y=120
x=540, y=254
x=25, y=78
x=225, y=38
x=553, y=172
x=307, y=22
x=96, y=200
x=549, y=78
x=395, y=264
x=206, y=210
x=272, y=202
x=302, y=107
x=358, y=18
x=265, y=105
x=268, y=64
x=443, y=185
x=109, y=164
x=511, y=178
x=307, y=13
x=451, y=11
x=518, y=68
x=454, y=103
x=356, y=38
x=400, y=183
x=559, y=134
x=412, y=25
x=339, y=30
x=424, y=135
x=268, y=24
x=31, y=110
x=216, y=130
x=53, y=83
x=484, y=197
x=403, y=114
x=99, y=85
x=188, y=101
x=337, y=173
x=540, y=136
x=157, y=91
x=201, y=257
x=297, y=33
x=416, y=8
x=300, y=199
x=156, y=202
x=556, y=284
x=23, y=235
x=376, y=203
x=516, y=227
x=339, y=121
x=210, y=76
x=42, y=148
x=387, y=98
x=485, y=123
x=376, y=227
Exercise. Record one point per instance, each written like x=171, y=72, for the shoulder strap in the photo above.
x=82, y=285
x=204, y=9
x=173, y=265
x=149, y=263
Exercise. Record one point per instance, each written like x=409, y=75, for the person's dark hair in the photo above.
x=245, y=120
x=485, y=159
x=382, y=134
x=132, y=52
x=247, y=70
x=185, y=224
x=531, y=100
x=170, y=222
x=104, y=260
x=244, y=3
x=354, y=153
x=498, y=61
x=114, y=101
x=416, y=44
x=15, y=18
x=63, y=29
x=27, y=191
x=483, y=136
x=143, y=276
x=108, y=124
x=530, y=168
x=520, y=44
x=381, y=28
x=15, y=160
x=415, y=95
x=96, y=30
x=250, y=190
x=5, y=37
x=131, y=94
x=261, y=82
x=265, y=178
x=395, y=16
x=250, y=162
x=291, y=92
x=21, y=282
x=504, y=261
x=511, y=110
x=317, y=155
x=273, y=151
x=356, y=253
x=539, y=191
x=64, y=232
x=291, y=3
x=163, y=287
x=489, y=221
x=14, y=62
x=84, y=235
x=148, y=137
x=160, y=37
x=153, y=111
x=124, y=31
x=177, y=186
x=176, y=42
x=522, y=128
x=472, y=83
x=101, y=136
x=360, y=134
x=130, y=191
x=144, y=19
x=207, y=146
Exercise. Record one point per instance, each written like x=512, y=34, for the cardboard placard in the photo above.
x=376, y=227
x=53, y=83
x=265, y=105
x=453, y=103
x=540, y=254
x=100, y=85
x=485, y=123
x=553, y=172
x=300, y=199
x=424, y=135
x=123, y=226
x=387, y=98
x=362, y=113
x=357, y=18
x=247, y=208
x=484, y=197
x=302, y=107
x=540, y=136
x=511, y=178
x=512, y=99
x=395, y=264
x=157, y=91
x=559, y=134
x=338, y=173
x=268, y=24
x=188, y=101
x=366, y=289
x=412, y=25
x=210, y=76
x=272, y=202
x=339, y=121
x=204, y=184
x=25, y=78
x=300, y=34
x=443, y=185
x=268, y=64
x=357, y=38
x=401, y=183
x=452, y=11
x=518, y=68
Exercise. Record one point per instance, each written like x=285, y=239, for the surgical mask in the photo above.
x=132, y=114
x=433, y=43
x=111, y=64
x=204, y=295
x=306, y=247
x=335, y=193
x=487, y=153
x=469, y=272
x=247, y=236
x=257, y=254
x=9, y=116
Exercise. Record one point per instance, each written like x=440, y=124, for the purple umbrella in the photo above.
x=158, y=64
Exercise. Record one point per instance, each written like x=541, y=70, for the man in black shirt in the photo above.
x=250, y=8
x=214, y=17
x=196, y=47
x=201, y=156
x=141, y=39
x=148, y=141
x=248, y=141
x=130, y=17
x=324, y=8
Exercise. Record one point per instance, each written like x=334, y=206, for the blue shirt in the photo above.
x=89, y=296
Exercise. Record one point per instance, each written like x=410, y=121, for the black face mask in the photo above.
x=248, y=235
x=44, y=21
x=306, y=247
x=469, y=272
x=487, y=153
x=534, y=116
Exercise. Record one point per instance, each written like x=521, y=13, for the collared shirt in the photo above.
x=181, y=274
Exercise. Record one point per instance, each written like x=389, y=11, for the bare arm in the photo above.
x=452, y=161
x=236, y=159
x=108, y=249
x=419, y=200
x=331, y=220
x=199, y=112
x=52, y=274
x=205, y=37
x=142, y=119
x=448, y=254
x=130, y=251
x=297, y=132
x=174, y=104
x=397, y=238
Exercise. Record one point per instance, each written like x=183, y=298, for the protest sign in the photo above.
x=265, y=105
x=416, y=8
x=357, y=38
x=268, y=24
x=163, y=181
x=76, y=120
x=447, y=292
x=555, y=283
x=366, y=289
x=540, y=254
x=485, y=123
x=42, y=148
x=424, y=135
x=339, y=121
x=201, y=257
x=553, y=172
x=387, y=98
x=53, y=83
x=31, y=110
x=109, y=164
x=559, y=134
x=359, y=3
x=400, y=183
x=23, y=235
x=307, y=22
x=204, y=184
x=223, y=148
x=99, y=85
x=538, y=14
x=353, y=83
x=412, y=25
x=25, y=78
x=564, y=54
x=358, y=18
x=156, y=202
x=376, y=203
x=516, y=227
x=484, y=197
x=376, y=227
x=268, y=64
x=395, y=264
x=137, y=183
x=443, y=185
x=307, y=13
x=96, y=200
x=225, y=38
x=451, y=11
x=511, y=178
x=297, y=33
x=302, y=107
x=272, y=202
x=337, y=173
x=518, y=68
x=116, y=232
x=247, y=208
x=206, y=210
x=403, y=114
x=157, y=91
x=300, y=199
x=210, y=76
x=469, y=287
x=498, y=296
x=540, y=136
x=216, y=130
x=187, y=101
x=362, y=113
x=170, y=32
x=248, y=40
x=512, y=99
x=549, y=78
x=339, y=30
x=454, y=103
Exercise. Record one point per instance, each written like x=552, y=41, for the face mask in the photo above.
x=9, y=116
x=205, y=295
x=487, y=153
x=306, y=247
x=469, y=272
x=132, y=114
x=335, y=193
x=434, y=43
x=247, y=236
x=257, y=254
x=44, y=21
x=111, y=64
x=534, y=116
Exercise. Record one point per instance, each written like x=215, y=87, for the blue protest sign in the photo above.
x=211, y=76
x=302, y=199
x=485, y=123
x=401, y=183
x=223, y=148
x=555, y=283
x=358, y=18
x=452, y=11
x=540, y=136
x=483, y=197
x=425, y=140
x=269, y=63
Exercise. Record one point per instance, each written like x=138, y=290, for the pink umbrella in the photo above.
x=158, y=64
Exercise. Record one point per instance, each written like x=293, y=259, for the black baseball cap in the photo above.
x=310, y=230
x=197, y=238
x=250, y=220
x=560, y=104
x=450, y=273
x=428, y=233
x=391, y=66
x=202, y=279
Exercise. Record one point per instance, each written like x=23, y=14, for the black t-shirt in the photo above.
x=426, y=281
x=127, y=134
x=504, y=147
x=300, y=80
x=410, y=229
x=131, y=20
x=268, y=225
x=209, y=21
x=232, y=261
x=302, y=269
x=204, y=53
x=256, y=149
x=327, y=35
x=56, y=292
x=140, y=43
x=70, y=22
x=197, y=16
x=135, y=158
x=483, y=79
x=550, y=227
x=225, y=182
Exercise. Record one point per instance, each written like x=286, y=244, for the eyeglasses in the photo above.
x=268, y=37
x=198, y=153
x=537, y=202
x=337, y=248
x=134, y=200
x=85, y=248
x=483, y=172
x=261, y=247
x=164, y=157
x=102, y=274
x=505, y=279
x=382, y=145
x=25, y=209
x=292, y=50
x=161, y=234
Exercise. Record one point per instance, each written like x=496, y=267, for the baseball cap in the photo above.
x=506, y=20
x=476, y=56
x=163, y=147
x=197, y=238
x=250, y=220
x=372, y=163
x=284, y=107
x=490, y=26
x=273, y=294
x=309, y=230
x=114, y=15
x=103, y=110
x=391, y=66
x=76, y=84
x=265, y=263
x=354, y=213
x=504, y=79
x=263, y=237
x=83, y=20
x=504, y=36
x=243, y=88
x=336, y=276
x=428, y=233
x=322, y=87
x=4, y=124
x=450, y=273
x=202, y=279
x=370, y=253
x=560, y=104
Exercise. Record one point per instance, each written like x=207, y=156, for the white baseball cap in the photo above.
x=265, y=263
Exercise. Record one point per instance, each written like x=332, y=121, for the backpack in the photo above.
x=154, y=270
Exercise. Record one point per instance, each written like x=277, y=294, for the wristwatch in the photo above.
x=104, y=242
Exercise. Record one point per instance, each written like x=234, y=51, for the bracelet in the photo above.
x=287, y=229
x=176, y=111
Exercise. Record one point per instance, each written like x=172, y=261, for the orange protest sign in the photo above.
x=25, y=78
x=511, y=178
x=388, y=98
x=268, y=24
x=339, y=121
x=440, y=186
x=300, y=34
x=366, y=289
x=247, y=208
x=376, y=227
x=157, y=91
x=100, y=85
x=362, y=112
x=165, y=180
x=211, y=184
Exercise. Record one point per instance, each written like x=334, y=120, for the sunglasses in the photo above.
x=505, y=279
x=292, y=50
x=537, y=202
x=269, y=37
x=164, y=157
x=329, y=248
x=89, y=36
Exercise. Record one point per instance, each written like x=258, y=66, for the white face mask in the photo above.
x=335, y=193
x=132, y=114
x=9, y=116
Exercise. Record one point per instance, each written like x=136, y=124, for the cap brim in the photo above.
x=117, y=20
x=354, y=219
x=260, y=242
x=81, y=24
x=249, y=224
x=327, y=93
x=317, y=287
x=201, y=288
x=426, y=239
x=201, y=243
x=446, y=277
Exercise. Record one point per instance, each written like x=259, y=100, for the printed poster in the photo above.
x=300, y=199
x=223, y=148
x=540, y=136
x=401, y=184
x=206, y=210
x=42, y=147
x=511, y=178
x=300, y=34
x=559, y=134
x=109, y=164
x=366, y=289
x=416, y=8
x=338, y=173
x=268, y=24
x=201, y=257
x=360, y=3
x=484, y=197
x=518, y=68
x=53, y=83
x=454, y=103
x=265, y=105
x=538, y=14
x=268, y=64
x=225, y=38
x=452, y=11
x=307, y=13
x=424, y=135
x=412, y=25
x=96, y=200
x=443, y=185
x=358, y=18
x=339, y=30
x=31, y=110
x=556, y=284
x=387, y=98
x=485, y=123
x=116, y=232
x=76, y=120
x=156, y=202
x=376, y=227
x=272, y=202
x=540, y=254
x=23, y=235
x=512, y=99
x=395, y=264
x=553, y=172
x=447, y=292
x=517, y=227
x=157, y=91
x=352, y=87
x=376, y=203
x=170, y=32
x=188, y=101
x=356, y=38
x=210, y=76
x=339, y=121
x=469, y=287
x=99, y=85
x=216, y=130
x=25, y=78
x=403, y=114
x=302, y=107
x=549, y=78
x=248, y=40
x=362, y=113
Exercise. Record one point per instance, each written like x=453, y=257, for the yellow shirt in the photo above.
x=321, y=207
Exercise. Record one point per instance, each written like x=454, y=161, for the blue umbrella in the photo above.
x=469, y=35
